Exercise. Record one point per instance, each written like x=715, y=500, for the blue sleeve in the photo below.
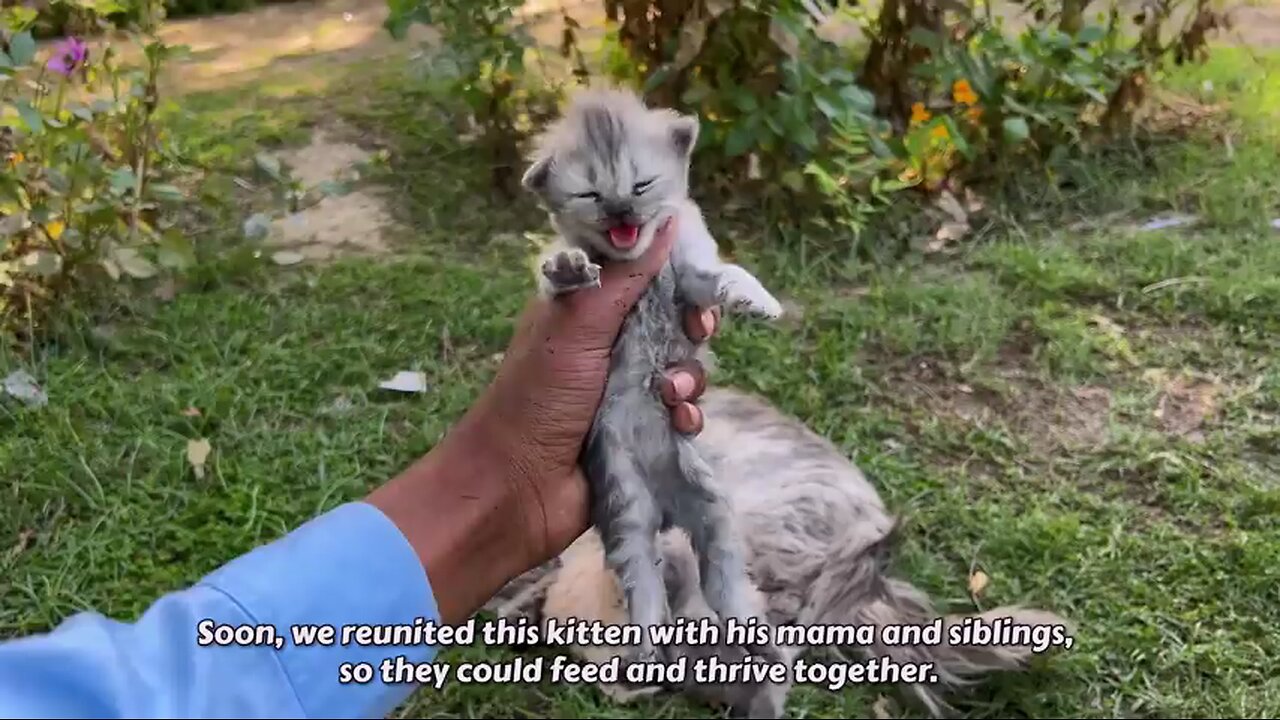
x=350, y=566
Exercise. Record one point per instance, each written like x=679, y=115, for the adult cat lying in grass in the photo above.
x=819, y=542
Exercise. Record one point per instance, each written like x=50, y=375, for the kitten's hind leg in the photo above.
x=624, y=512
x=566, y=270
x=704, y=512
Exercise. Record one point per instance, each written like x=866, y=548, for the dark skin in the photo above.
x=503, y=492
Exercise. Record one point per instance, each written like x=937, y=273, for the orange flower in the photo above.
x=919, y=114
x=963, y=92
x=909, y=175
x=939, y=132
x=974, y=114
x=16, y=157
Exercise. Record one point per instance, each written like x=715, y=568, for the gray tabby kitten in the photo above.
x=610, y=172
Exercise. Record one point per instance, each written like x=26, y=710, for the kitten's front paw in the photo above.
x=570, y=269
x=741, y=293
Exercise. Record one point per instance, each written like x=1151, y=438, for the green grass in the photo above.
x=1003, y=401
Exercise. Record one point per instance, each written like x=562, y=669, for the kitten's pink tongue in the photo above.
x=624, y=236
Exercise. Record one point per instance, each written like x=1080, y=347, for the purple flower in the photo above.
x=68, y=55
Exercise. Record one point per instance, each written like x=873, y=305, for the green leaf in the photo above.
x=175, y=250
x=22, y=48
x=740, y=139
x=167, y=192
x=826, y=107
x=41, y=263
x=134, y=263
x=807, y=138
x=30, y=116
x=334, y=188
x=1016, y=130
x=925, y=38
x=859, y=98
x=957, y=137
x=122, y=180
x=879, y=147
x=269, y=164
x=17, y=18
x=744, y=100
x=1091, y=34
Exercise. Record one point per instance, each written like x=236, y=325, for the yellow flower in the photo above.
x=939, y=132
x=919, y=114
x=909, y=175
x=55, y=228
x=963, y=92
x=16, y=157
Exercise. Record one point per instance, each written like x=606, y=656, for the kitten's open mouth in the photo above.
x=624, y=237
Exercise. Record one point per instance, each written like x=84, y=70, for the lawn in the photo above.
x=1085, y=410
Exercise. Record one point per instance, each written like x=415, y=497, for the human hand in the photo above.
x=518, y=446
x=552, y=379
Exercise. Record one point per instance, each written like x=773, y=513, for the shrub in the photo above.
x=84, y=197
x=939, y=91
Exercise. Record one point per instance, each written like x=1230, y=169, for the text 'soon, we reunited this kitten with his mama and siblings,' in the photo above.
x=610, y=172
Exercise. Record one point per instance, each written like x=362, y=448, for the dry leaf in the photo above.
x=166, y=291
x=1107, y=324
x=23, y=386
x=26, y=537
x=406, y=381
x=1185, y=404
x=973, y=202
x=951, y=206
x=191, y=412
x=1166, y=222
x=882, y=708
x=287, y=257
x=978, y=582
x=948, y=233
x=197, y=452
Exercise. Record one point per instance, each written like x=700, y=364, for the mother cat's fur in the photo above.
x=609, y=173
x=819, y=545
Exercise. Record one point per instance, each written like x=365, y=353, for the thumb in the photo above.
x=594, y=317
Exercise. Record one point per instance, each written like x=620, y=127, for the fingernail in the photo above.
x=687, y=418
x=683, y=384
x=708, y=320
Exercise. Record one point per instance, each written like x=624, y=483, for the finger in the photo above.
x=700, y=325
x=687, y=418
x=594, y=316
x=684, y=382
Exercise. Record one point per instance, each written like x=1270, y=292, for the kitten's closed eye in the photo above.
x=640, y=187
x=588, y=195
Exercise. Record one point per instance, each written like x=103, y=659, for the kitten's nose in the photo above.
x=617, y=211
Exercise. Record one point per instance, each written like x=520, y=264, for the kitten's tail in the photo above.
x=855, y=589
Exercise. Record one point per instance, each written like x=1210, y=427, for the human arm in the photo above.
x=498, y=495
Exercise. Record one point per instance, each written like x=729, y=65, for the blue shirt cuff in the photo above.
x=349, y=567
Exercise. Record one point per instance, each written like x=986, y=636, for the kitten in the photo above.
x=610, y=172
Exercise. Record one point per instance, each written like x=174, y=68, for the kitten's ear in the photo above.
x=535, y=178
x=684, y=134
